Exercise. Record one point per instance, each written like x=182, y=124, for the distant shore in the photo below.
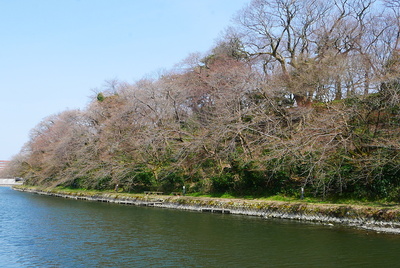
x=378, y=219
x=9, y=182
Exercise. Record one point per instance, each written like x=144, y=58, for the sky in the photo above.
x=54, y=53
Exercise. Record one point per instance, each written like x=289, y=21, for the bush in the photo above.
x=103, y=183
x=172, y=182
x=222, y=183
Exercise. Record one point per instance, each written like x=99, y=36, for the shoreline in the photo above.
x=375, y=219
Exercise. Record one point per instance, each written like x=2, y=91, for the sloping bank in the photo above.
x=379, y=219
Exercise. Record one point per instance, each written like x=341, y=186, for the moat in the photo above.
x=44, y=231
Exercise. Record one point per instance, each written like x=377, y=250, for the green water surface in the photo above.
x=42, y=231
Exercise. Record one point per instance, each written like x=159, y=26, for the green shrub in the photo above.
x=103, y=183
x=222, y=183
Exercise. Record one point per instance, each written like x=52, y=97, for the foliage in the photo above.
x=313, y=103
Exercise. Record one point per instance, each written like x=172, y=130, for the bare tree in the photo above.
x=310, y=40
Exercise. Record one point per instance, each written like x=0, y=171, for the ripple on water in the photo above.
x=42, y=231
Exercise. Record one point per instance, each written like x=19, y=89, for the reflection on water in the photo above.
x=42, y=231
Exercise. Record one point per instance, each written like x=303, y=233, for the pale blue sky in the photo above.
x=54, y=52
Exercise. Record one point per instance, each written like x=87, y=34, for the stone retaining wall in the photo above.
x=371, y=218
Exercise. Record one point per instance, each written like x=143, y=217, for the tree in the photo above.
x=306, y=42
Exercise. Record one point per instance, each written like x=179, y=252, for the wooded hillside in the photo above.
x=298, y=93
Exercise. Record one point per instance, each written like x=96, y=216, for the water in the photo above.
x=43, y=231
